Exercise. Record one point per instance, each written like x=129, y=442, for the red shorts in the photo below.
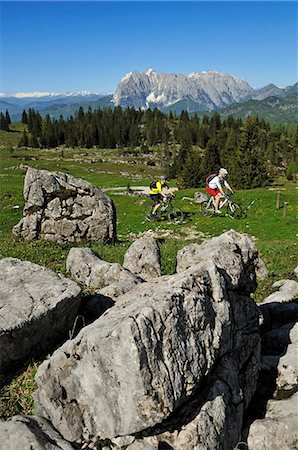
x=212, y=192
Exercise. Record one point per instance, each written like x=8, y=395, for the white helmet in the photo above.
x=224, y=171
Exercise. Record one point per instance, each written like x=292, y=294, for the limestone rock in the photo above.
x=37, y=306
x=30, y=432
x=261, y=269
x=278, y=430
x=143, y=258
x=61, y=208
x=230, y=250
x=153, y=351
x=287, y=373
x=114, y=290
x=288, y=291
x=295, y=271
x=86, y=268
x=200, y=197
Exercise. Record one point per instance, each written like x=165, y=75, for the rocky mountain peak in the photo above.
x=210, y=90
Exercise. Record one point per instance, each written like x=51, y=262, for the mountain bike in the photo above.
x=166, y=211
x=226, y=205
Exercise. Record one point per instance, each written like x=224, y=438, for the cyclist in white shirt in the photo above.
x=215, y=187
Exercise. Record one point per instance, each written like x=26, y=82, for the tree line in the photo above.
x=5, y=121
x=192, y=146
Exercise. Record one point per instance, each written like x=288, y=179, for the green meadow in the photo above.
x=275, y=235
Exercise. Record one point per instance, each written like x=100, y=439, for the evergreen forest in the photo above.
x=253, y=150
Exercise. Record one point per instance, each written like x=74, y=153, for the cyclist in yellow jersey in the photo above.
x=157, y=195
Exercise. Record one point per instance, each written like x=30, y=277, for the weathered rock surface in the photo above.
x=61, y=208
x=279, y=372
x=222, y=250
x=30, y=433
x=295, y=271
x=143, y=258
x=278, y=430
x=288, y=291
x=261, y=269
x=86, y=268
x=287, y=373
x=200, y=197
x=37, y=306
x=155, y=351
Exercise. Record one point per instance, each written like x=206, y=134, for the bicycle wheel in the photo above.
x=206, y=209
x=176, y=215
x=148, y=214
x=234, y=210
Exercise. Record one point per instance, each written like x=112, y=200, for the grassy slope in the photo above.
x=276, y=237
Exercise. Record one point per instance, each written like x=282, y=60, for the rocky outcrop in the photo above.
x=219, y=246
x=37, y=306
x=61, y=208
x=278, y=378
x=278, y=430
x=30, y=433
x=143, y=258
x=288, y=291
x=87, y=269
x=206, y=90
x=170, y=358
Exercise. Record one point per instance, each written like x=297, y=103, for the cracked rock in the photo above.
x=36, y=307
x=61, y=208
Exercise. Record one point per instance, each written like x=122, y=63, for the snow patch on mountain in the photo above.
x=210, y=90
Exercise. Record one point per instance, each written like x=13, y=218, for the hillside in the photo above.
x=272, y=109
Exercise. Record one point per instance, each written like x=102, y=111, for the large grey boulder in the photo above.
x=278, y=430
x=87, y=269
x=231, y=252
x=143, y=258
x=30, y=433
x=62, y=208
x=37, y=306
x=154, y=352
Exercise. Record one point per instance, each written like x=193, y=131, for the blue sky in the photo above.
x=72, y=46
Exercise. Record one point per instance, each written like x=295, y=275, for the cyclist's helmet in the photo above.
x=224, y=171
x=163, y=178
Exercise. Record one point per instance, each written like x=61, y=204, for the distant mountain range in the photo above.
x=195, y=92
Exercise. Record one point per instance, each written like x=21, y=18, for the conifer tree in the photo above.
x=7, y=120
x=2, y=122
x=211, y=161
x=191, y=171
x=24, y=117
x=249, y=169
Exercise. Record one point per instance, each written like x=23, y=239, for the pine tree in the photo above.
x=211, y=162
x=24, y=117
x=249, y=169
x=2, y=122
x=7, y=120
x=191, y=171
